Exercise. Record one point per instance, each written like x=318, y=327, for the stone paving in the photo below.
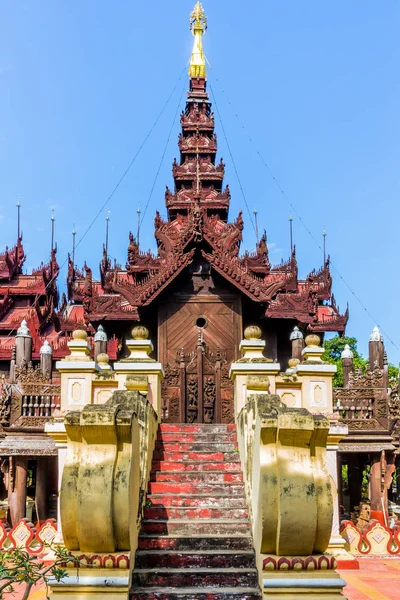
x=377, y=579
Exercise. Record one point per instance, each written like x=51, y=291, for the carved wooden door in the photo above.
x=198, y=340
x=200, y=384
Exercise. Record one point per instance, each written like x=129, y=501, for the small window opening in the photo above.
x=201, y=322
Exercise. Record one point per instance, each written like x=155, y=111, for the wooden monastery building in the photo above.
x=195, y=296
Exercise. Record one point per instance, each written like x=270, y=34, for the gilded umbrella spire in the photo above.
x=198, y=26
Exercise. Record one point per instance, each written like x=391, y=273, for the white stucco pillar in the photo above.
x=56, y=430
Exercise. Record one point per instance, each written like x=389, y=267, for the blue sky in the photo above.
x=314, y=84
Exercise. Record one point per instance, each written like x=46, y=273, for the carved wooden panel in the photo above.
x=203, y=391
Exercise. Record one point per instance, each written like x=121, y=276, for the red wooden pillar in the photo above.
x=218, y=394
x=380, y=481
x=200, y=414
x=17, y=488
x=42, y=491
x=182, y=383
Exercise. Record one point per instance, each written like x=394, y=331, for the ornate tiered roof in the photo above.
x=197, y=234
x=197, y=230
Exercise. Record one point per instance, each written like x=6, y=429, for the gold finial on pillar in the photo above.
x=198, y=26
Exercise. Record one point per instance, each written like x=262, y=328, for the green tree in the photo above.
x=393, y=373
x=18, y=567
x=333, y=351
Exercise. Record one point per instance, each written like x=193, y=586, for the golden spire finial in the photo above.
x=198, y=26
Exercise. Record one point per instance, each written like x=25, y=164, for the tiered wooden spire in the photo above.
x=196, y=237
x=197, y=234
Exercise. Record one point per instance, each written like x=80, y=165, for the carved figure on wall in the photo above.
x=5, y=402
x=192, y=399
x=209, y=400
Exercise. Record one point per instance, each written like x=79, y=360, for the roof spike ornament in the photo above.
x=375, y=335
x=52, y=230
x=296, y=334
x=198, y=26
x=23, y=329
x=347, y=352
x=19, y=218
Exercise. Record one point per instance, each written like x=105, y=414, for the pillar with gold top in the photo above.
x=139, y=371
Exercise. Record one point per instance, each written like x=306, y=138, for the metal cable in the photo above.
x=232, y=159
x=293, y=208
x=124, y=174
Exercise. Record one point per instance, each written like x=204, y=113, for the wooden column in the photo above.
x=354, y=480
x=340, y=483
x=46, y=359
x=397, y=467
x=375, y=483
x=42, y=488
x=17, y=488
x=296, y=337
x=182, y=384
x=376, y=350
x=347, y=365
x=218, y=394
x=200, y=414
x=100, y=342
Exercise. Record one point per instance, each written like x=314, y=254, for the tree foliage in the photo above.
x=19, y=568
x=333, y=351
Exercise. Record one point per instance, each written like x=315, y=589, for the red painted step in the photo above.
x=197, y=477
x=197, y=456
x=162, y=465
x=197, y=501
x=182, y=527
x=195, y=541
x=161, y=512
x=196, y=428
x=195, y=446
x=195, y=594
x=179, y=436
x=199, y=542
x=163, y=487
x=227, y=577
x=190, y=559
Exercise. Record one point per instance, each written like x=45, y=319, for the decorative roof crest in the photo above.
x=376, y=335
x=296, y=334
x=100, y=335
x=23, y=330
x=347, y=353
x=46, y=348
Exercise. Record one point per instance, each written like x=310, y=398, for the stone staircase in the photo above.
x=195, y=540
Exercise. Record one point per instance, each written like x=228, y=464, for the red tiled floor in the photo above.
x=37, y=593
x=377, y=579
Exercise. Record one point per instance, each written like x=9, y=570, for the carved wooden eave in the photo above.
x=335, y=323
x=259, y=290
x=112, y=307
x=75, y=281
x=258, y=261
x=197, y=143
x=320, y=282
x=302, y=307
x=206, y=169
x=11, y=261
x=5, y=304
x=209, y=198
x=140, y=262
x=195, y=118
